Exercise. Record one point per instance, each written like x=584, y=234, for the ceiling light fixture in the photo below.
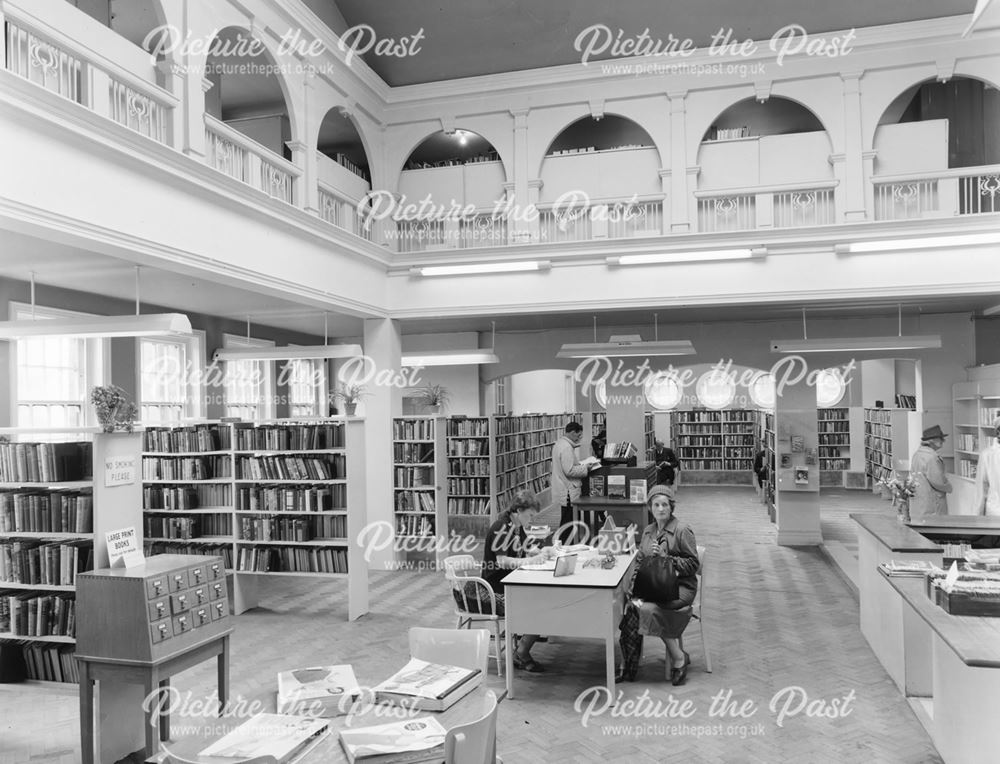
x=626, y=346
x=291, y=352
x=473, y=268
x=927, y=242
x=688, y=257
x=992, y=310
x=849, y=344
x=453, y=357
x=92, y=327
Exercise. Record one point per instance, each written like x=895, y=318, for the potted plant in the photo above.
x=114, y=410
x=350, y=396
x=433, y=397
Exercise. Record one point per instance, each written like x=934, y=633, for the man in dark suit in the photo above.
x=667, y=463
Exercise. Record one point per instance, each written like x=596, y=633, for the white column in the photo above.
x=854, y=160
x=173, y=83
x=521, y=231
x=838, y=161
x=383, y=348
x=96, y=90
x=680, y=194
x=796, y=504
x=531, y=222
x=665, y=186
x=305, y=190
x=308, y=196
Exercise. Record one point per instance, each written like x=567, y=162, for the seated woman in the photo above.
x=505, y=549
x=666, y=537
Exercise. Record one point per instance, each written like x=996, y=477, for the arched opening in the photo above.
x=932, y=127
x=750, y=144
x=343, y=171
x=461, y=174
x=600, y=178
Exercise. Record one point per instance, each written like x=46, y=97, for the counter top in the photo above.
x=893, y=534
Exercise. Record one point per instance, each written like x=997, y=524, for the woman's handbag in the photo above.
x=656, y=580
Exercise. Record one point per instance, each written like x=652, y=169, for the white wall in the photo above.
x=542, y=391
x=911, y=147
x=462, y=382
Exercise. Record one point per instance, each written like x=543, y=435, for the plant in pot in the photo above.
x=350, y=396
x=114, y=410
x=433, y=397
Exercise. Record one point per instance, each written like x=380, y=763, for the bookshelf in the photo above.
x=54, y=514
x=599, y=421
x=523, y=455
x=833, y=427
x=891, y=437
x=471, y=474
x=974, y=405
x=270, y=498
x=715, y=447
x=648, y=436
x=418, y=495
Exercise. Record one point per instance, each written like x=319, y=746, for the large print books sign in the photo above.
x=281, y=737
x=317, y=691
x=410, y=741
x=430, y=686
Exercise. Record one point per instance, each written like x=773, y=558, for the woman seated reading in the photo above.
x=666, y=617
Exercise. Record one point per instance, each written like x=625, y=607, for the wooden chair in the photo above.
x=453, y=647
x=696, y=606
x=474, y=594
x=475, y=742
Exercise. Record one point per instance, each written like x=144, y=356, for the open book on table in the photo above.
x=408, y=740
x=283, y=737
x=317, y=690
x=430, y=686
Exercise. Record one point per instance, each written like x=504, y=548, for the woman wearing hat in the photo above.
x=665, y=537
x=932, y=483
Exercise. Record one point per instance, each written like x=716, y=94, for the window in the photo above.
x=763, y=390
x=169, y=379
x=663, y=391
x=830, y=388
x=249, y=384
x=715, y=391
x=306, y=387
x=53, y=375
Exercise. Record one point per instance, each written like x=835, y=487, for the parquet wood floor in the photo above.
x=782, y=625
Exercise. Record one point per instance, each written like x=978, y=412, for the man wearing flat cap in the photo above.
x=932, y=483
x=988, y=475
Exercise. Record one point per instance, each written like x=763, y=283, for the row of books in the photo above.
x=728, y=133
x=833, y=426
x=530, y=422
x=413, y=429
x=51, y=663
x=413, y=453
x=987, y=414
x=967, y=468
x=468, y=467
x=468, y=427
x=288, y=437
x=839, y=439
x=414, y=501
x=347, y=164
x=513, y=460
x=414, y=525
x=158, y=526
x=257, y=528
x=480, y=485
x=180, y=440
x=25, y=614
x=48, y=564
x=186, y=497
x=292, y=559
x=825, y=415
x=834, y=464
x=319, y=498
x=525, y=440
x=413, y=477
x=471, y=447
x=965, y=441
x=45, y=462
x=46, y=512
x=906, y=401
x=186, y=467
x=287, y=467
x=469, y=506
x=702, y=417
x=225, y=551
x=489, y=156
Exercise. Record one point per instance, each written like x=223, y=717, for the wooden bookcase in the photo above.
x=279, y=501
x=524, y=454
x=471, y=474
x=45, y=590
x=715, y=447
x=891, y=437
x=648, y=436
x=975, y=405
x=418, y=450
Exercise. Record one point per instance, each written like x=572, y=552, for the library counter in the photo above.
x=622, y=510
x=957, y=525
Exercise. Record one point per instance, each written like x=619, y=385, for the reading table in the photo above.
x=588, y=604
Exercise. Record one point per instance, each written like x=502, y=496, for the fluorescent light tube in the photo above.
x=286, y=353
x=847, y=344
x=470, y=268
x=449, y=358
x=685, y=257
x=927, y=242
x=627, y=349
x=147, y=325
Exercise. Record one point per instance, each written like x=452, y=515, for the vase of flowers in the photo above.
x=114, y=410
x=901, y=491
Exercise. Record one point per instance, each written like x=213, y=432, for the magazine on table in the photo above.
x=409, y=740
x=282, y=737
x=317, y=690
x=430, y=686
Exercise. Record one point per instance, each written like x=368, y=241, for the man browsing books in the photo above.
x=567, y=476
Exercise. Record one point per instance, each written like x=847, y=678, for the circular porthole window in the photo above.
x=601, y=393
x=830, y=388
x=762, y=390
x=715, y=391
x=663, y=392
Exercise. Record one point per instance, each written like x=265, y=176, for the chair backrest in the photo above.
x=460, y=570
x=475, y=742
x=468, y=648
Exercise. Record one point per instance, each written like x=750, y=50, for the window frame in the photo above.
x=193, y=406
x=268, y=394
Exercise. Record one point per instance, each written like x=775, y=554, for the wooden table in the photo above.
x=328, y=750
x=150, y=676
x=587, y=604
x=902, y=647
x=957, y=525
x=965, y=676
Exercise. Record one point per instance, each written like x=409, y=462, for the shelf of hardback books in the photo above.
x=418, y=450
x=834, y=431
x=715, y=447
x=975, y=406
x=599, y=421
x=648, y=436
x=270, y=498
x=53, y=519
x=891, y=437
x=471, y=474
